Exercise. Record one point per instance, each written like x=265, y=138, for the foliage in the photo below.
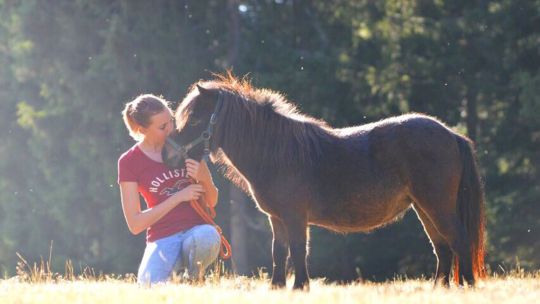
x=69, y=66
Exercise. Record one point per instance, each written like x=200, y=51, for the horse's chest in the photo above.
x=265, y=207
x=267, y=204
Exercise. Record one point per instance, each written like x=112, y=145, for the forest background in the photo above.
x=68, y=67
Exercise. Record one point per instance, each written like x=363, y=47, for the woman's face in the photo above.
x=161, y=125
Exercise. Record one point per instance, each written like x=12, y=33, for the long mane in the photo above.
x=282, y=135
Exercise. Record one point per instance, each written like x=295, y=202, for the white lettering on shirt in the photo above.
x=158, y=180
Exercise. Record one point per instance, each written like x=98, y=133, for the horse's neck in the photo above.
x=243, y=146
x=243, y=157
x=255, y=152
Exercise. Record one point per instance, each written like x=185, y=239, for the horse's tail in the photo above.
x=470, y=208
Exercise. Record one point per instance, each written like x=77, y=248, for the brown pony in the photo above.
x=300, y=172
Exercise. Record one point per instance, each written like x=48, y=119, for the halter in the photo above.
x=204, y=137
x=206, y=212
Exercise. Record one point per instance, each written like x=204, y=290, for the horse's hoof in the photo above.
x=277, y=285
x=441, y=283
x=301, y=286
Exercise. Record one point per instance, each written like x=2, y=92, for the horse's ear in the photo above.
x=202, y=90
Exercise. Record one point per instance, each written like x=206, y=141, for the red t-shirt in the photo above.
x=156, y=182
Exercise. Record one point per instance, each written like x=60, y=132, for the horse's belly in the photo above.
x=361, y=216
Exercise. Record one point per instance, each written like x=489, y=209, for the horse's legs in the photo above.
x=449, y=226
x=280, y=248
x=437, y=198
x=297, y=232
x=441, y=249
x=459, y=242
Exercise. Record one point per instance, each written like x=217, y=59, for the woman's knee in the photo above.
x=207, y=236
x=202, y=247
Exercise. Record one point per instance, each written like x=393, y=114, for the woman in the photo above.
x=176, y=236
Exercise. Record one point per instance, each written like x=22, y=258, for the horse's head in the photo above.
x=194, y=127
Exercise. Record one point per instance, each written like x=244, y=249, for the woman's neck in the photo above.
x=151, y=147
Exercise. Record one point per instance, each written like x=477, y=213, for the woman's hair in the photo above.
x=138, y=112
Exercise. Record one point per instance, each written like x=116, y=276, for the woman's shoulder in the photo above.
x=128, y=155
x=127, y=165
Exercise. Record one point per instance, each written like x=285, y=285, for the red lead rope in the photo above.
x=208, y=216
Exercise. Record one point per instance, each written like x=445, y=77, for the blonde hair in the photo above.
x=138, y=113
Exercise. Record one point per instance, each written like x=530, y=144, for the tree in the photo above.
x=69, y=67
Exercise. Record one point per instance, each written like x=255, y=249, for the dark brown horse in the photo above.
x=302, y=172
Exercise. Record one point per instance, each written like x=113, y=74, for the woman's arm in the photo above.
x=200, y=172
x=138, y=220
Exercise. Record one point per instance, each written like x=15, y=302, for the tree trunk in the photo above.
x=472, y=114
x=238, y=231
x=234, y=32
x=237, y=197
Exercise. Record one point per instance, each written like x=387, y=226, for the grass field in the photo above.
x=515, y=288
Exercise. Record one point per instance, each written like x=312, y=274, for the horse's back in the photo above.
x=375, y=167
x=411, y=143
x=411, y=120
x=391, y=141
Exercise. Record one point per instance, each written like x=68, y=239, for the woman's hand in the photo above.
x=189, y=193
x=199, y=171
x=138, y=220
x=192, y=167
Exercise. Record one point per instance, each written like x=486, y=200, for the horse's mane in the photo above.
x=295, y=138
x=243, y=88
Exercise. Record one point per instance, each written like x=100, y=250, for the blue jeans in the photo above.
x=192, y=250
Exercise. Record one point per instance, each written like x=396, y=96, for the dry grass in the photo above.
x=244, y=290
x=35, y=286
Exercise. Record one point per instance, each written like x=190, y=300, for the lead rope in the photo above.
x=208, y=215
